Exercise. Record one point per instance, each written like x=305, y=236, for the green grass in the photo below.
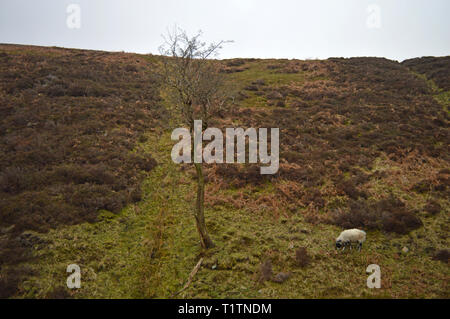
x=441, y=96
x=259, y=71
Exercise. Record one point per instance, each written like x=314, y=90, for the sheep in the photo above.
x=351, y=235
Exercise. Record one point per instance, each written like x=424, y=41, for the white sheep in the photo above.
x=349, y=236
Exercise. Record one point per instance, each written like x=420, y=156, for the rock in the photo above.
x=281, y=277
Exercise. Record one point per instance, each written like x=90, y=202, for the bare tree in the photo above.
x=195, y=88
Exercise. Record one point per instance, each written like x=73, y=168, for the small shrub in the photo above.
x=274, y=95
x=314, y=197
x=235, y=62
x=131, y=68
x=348, y=188
x=302, y=258
x=13, y=180
x=432, y=207
x=423, y=186
x=389, y=214
x=442, y=255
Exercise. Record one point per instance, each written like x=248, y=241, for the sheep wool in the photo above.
x=349, y=236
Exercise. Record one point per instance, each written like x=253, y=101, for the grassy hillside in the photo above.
x=86, y=178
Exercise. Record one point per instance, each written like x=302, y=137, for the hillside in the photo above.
x=86, y=177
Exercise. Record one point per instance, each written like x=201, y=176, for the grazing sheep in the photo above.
x=349, y=236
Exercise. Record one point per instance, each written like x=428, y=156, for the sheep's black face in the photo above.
x=339, y=244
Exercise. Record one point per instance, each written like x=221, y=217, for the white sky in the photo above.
x=259, y=28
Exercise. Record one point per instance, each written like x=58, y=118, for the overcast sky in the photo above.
x=396, y=29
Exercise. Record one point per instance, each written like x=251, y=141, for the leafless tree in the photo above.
x=195, y=88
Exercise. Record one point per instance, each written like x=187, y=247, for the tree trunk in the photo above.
x=206, y=241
